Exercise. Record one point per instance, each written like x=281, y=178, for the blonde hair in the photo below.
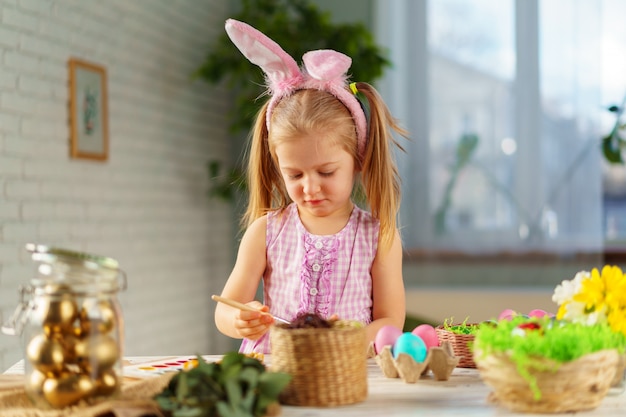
x=309, y=111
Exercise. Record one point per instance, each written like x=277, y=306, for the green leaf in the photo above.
x=237, y=386
x=262, y=404
x=230, y=410
x=271, y=384
x=231, y=359
x=612, y=146
x=188, y=412
x=182, y=390
x=250, y=376
x=233, y=391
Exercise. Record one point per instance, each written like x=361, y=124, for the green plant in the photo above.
x=462, y=328
x=465, y=148
x=298, y=26
x=225, y=182
x=237, y=386
x=613, y=144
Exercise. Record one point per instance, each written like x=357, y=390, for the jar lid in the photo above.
x=43, y=252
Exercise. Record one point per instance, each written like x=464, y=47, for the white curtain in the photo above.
x=504, y=103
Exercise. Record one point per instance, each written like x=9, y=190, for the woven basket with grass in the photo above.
x=461, y=345
x=543, y=365
x=571, y=387
x=328, y=365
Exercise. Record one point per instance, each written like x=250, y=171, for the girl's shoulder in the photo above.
x=281, y=214
x=257, y=227
x=280, y=219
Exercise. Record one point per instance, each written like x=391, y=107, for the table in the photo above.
x=464, y=394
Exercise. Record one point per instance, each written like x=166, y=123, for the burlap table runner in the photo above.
x=135, y=400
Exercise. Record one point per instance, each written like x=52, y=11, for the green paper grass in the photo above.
x=462, y=328
x=556, y=340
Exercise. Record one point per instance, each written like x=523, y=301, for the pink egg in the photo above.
x=386, y=336
x=428, y=334
x=538, y=313
x=507, y=314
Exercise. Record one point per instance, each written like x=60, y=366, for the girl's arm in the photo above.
x=242, y=285
x=387, y=289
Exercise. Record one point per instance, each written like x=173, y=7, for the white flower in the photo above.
x=565, y=291
x=596, y=317
x=574, y=311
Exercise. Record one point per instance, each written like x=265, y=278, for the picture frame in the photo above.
x=88, y=110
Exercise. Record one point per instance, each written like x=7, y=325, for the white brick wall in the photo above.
x=146, y=206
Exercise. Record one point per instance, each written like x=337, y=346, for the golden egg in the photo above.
x=97, y=316
x=67, y=389
x=107, y=383
x=78, y=331
x=34, y=383
x=69, y=341
x=96, y=353
x=57, y=314
x=45, y=354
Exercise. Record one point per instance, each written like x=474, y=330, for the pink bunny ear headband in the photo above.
x=323, y=69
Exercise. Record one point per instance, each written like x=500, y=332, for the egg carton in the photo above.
x=439, y=360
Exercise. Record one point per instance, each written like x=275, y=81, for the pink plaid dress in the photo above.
x=309, y=273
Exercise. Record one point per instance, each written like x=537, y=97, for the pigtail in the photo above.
x=379, y=175
x=266, y=190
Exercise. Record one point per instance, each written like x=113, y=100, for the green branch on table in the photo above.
x=237, y=386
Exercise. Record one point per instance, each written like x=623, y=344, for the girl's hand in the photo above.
x=252, y=324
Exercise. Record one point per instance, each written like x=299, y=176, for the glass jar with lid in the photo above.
x=72, y=327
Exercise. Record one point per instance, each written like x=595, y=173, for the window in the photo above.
x=506, y=104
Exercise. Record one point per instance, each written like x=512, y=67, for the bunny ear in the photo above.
x=326, y=64
x=281, y=70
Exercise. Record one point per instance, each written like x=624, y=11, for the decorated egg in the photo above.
x=57, y=314
x=538, y=313
x=97, y=316
x=523, y=328
x=507, y=314
x=386, y=336
x=67, y=389
x=411, y=345
x=34, y=383
x=428, y=334
x=96, y=353
x=45, y=354
x=107, y=383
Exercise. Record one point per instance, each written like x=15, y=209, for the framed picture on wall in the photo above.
x=88, y=110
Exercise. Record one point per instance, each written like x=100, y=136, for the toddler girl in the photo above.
x=314, y=143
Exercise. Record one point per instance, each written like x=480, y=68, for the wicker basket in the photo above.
x=461, y=345
x=328, y=366
x=574, y=386
x=620, y=375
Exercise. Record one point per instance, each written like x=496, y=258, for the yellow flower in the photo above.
x=617, y=320
x=560, y=314
x=616, y=293
x=600, y=297
x=593, y=290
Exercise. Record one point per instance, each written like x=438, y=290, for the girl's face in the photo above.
x=318, y=174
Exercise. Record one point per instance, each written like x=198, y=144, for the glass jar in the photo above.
x=72, y=327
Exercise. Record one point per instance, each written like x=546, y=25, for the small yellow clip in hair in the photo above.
x=353, y=88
